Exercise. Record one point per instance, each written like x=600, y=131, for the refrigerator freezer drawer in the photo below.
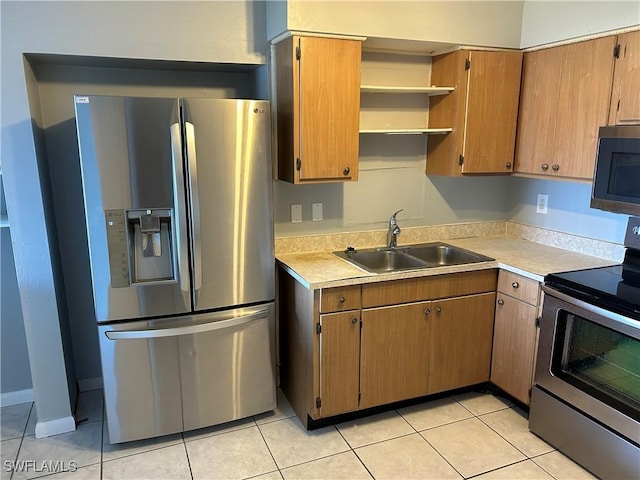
x=174, y=375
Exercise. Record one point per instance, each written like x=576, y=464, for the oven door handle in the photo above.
x=616, y=317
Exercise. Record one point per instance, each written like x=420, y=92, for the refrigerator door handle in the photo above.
x=191, y=329
x=190, y=139
x=179, y=208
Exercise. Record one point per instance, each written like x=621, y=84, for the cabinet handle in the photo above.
x=555, y=167
x=438, y=310
x=340, y=299
x=515, y=285
x=500, y=301
x=354, y=320
x=508, y=165
x=427, y=312
x=545, y=167
x=346, y=171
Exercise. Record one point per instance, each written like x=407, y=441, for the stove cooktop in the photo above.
x=615, y=288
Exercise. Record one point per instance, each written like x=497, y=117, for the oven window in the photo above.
x=600, y=361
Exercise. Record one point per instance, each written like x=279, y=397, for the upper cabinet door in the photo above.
x=492, y=111
x=625, y=96
x=318, y=103
x=538, y=109
x=482, y=110
x=585, y=92
x=564, y=100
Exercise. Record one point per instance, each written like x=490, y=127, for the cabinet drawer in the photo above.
x=428, y=288
x=338, y=299
x=519, y=287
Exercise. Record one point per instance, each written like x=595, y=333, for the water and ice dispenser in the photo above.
x=141, y=246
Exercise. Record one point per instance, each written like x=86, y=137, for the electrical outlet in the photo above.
x=316, y=212
x=296, y=213
x=543, y=202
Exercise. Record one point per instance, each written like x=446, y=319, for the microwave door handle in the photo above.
x=180, y=217
x=188, y=330
x=190, y=139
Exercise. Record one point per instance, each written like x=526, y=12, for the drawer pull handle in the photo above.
x=340, y=299
x=354, y=320
x=515, y=285
x=500, y=302
x=438, y=310
x=427, y=312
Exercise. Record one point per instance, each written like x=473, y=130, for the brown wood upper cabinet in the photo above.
x=625, y=96
x=565, y=98
x=482, y=110
x=318, y=109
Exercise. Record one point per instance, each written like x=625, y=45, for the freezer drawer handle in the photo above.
x=173, y=332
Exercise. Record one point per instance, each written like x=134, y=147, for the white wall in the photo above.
x=489, y=23
x=179, y=31
x=551, y=21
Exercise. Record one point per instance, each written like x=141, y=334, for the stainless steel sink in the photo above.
x=426, y=255
x=441, y=254
x=382, y=260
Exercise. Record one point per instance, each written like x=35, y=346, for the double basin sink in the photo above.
x=425, y=255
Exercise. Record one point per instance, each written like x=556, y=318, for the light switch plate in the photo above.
x=296, y=213
x=543, y=202
x=316, y=212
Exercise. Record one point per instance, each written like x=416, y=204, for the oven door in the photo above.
x=590, y=358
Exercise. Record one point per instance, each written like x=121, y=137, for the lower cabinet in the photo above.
x=460, y=346
x=339, y=362
x=399, y=340
x=394, y=359
x=515, y=335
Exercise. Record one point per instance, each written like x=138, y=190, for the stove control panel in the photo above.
x=632, y=238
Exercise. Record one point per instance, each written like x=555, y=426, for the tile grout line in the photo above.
x=355, y=453
x=269, y=449
x=186, y=452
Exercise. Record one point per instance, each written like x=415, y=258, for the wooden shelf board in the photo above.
x=393, y=89
x=408, y=131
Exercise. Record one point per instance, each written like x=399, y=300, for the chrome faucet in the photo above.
x=394, y=230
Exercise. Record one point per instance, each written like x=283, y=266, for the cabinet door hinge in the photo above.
x=467, y=64
x=618, y=107
x=298, y=53
x=298, y=164
x=318, y=328
x=616, y=51
x=530, y=392
x=538, y=321
x=461, y=160
x=359, y=397
x=318, y=402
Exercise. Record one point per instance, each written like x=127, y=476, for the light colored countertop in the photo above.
x=533, y=260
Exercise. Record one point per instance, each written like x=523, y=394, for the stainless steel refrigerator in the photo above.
x=179, y=216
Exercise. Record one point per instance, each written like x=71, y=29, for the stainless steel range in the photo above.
x=586, y=398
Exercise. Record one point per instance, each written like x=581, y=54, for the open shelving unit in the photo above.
x=395, y=92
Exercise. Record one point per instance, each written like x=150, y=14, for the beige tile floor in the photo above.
x=473, y=435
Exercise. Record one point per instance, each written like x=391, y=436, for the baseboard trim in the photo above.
x=14, y=398
x=55, y=427
x=86, y=384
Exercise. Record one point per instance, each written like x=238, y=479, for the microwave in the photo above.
x=616, y=180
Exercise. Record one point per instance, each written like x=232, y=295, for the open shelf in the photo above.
x=408, y=131
x=431, y=91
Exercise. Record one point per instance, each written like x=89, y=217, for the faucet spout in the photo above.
x=394, y=230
